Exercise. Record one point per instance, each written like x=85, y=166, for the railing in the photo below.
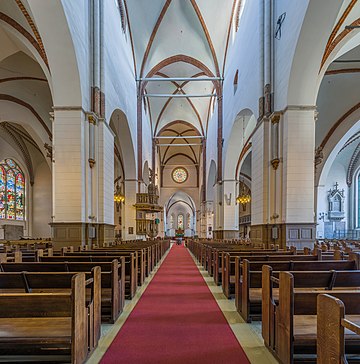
x=245, y=220
x=145, y=198
x=344, y=234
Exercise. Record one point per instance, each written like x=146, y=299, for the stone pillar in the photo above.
x=218, y=211
x=260, y=165
x=322, y=209
x=201, y=218
x=298, y=176
x=129, y=218
x=70, y=176
x=282, y=205
x=228, y=211
x=105, y=190
x=162, y=227
x=209, y=216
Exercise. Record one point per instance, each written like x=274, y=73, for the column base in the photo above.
x=105, y=234
x=78, y=234
x=226, y=234
x=299, y=235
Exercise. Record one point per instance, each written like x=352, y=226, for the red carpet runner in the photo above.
x=177, y=320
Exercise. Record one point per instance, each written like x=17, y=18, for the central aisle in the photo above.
x=177, y=320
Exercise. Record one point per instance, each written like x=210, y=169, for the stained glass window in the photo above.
x=179, y=175
x=20, y=190
x=180, y=222
x=2, y=193
x=12, y=191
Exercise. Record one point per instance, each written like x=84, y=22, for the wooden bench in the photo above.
x=248, y=284
x=141, y=256
x=338, y=328
x=130, y=266
x=112, y=281
x=294, y=318
x=233, y=267
x=34, y=325
x=225, y=261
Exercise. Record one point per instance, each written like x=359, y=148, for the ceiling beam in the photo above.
x=178, y=145
x=179, y=95
x=178, y=79
x=179, y=137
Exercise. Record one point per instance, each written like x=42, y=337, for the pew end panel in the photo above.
x=334, y=331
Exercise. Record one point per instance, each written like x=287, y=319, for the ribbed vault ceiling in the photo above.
x=180, y=38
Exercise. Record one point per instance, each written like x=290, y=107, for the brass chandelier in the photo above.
x=243, y=197
x=118, y=196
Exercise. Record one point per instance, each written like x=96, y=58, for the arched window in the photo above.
x=12, y=191
x=180, y=222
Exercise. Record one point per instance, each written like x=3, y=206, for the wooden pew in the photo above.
x=270, y=294
x=41, y=324
x=112, y=280
x=248, y=284
x=141, y=257
x=130, y=266
x=294, y=329
x=233, y=267
x=338, y=328
x=225, y=262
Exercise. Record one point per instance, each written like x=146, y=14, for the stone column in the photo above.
x=201, y=217
x=218, y=211
x=105, y=190
x=129, y=218
x=70, y=174
x=227, y=216
x=209, y=219
x=260, y=165
x=298, y=129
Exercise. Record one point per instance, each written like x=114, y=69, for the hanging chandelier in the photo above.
x=243, y=197
x=118, y=196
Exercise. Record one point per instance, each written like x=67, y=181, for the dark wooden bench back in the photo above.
x=12, y=281
x=33, y=267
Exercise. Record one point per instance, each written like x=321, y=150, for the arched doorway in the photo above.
x=180, y=216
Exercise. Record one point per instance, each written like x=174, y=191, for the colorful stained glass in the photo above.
x=11, y=163
x=20, y=190
x=12, y=191
x=179, y=175
x=180, y=222
x=2, y=193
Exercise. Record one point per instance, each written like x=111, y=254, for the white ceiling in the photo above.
x=195, y=30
